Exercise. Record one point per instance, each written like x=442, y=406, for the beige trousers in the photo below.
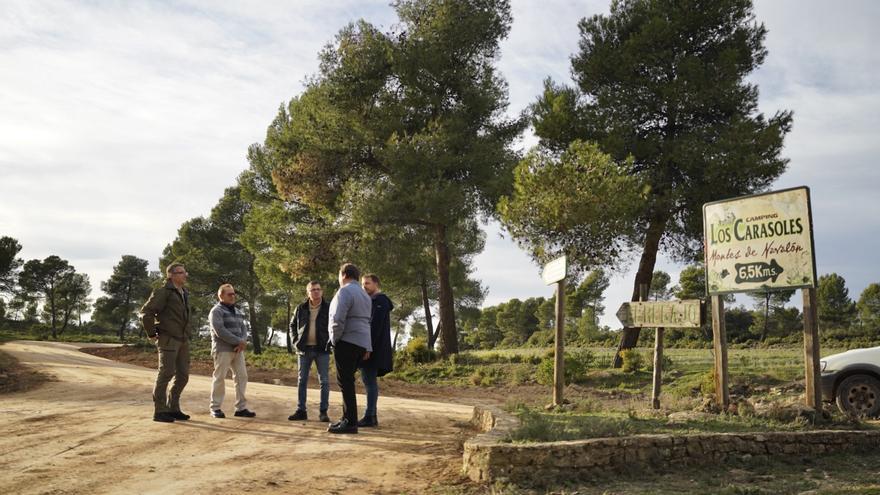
x=223, y=362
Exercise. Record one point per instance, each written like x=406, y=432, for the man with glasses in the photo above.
x=165, y=317
x=309, y=328
x=228, y=342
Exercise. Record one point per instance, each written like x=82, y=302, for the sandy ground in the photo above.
x=91, y=431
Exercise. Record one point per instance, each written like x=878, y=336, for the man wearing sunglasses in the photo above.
x=228, y=342
x=165, y=317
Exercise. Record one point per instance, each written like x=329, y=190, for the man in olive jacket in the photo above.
x=309, y=328
x=165, y=317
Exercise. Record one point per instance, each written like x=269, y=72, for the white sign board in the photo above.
x=554, y=271
x=759, y=243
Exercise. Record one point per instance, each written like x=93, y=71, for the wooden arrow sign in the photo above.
x=666, y=314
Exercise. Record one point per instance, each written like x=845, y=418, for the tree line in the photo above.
x=401, y=144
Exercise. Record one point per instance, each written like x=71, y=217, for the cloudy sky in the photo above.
x=121, y=120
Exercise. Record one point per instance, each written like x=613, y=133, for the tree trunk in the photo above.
x=126, y=312
x=289, y=342
x=449, y=335
x=255, y=334
x=429, y=320
x=630, y=336
x=766, y=315
x=51, y=298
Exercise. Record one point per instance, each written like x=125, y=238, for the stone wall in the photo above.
x=487, y=457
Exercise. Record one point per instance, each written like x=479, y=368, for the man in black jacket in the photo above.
x=381, y=360
x=309, y=327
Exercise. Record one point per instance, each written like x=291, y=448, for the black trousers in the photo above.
x=348, y=357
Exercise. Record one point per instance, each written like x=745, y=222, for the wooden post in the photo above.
x=719, y=333
x=658, y=367
x=559, y=358
x=811, y=351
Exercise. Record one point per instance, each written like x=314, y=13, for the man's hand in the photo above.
x=154, y=338
x=366, y=356
x=241, y=346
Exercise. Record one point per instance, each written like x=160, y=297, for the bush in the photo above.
x=416, y=352
x=632, y=360
x=576, y=364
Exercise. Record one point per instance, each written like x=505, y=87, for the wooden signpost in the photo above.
x=660, y=315
x=762, y=243
x=555, y=273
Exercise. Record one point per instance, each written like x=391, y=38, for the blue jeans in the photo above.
x=322, y=361
x=371, y=385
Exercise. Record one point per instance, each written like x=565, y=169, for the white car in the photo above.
x=852, y=379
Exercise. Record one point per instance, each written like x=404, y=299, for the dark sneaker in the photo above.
x=324, y=418
x=179, y=415
x=368, y=421
x=163, y=417
x=343, y=427
x=299, y=415
x=217, y=413
x=244, y=413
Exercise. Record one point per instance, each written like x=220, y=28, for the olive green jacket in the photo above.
x=166, y=313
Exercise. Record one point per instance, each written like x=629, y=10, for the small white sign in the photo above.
x=554, y=271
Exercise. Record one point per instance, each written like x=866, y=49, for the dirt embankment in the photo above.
x=91, y=431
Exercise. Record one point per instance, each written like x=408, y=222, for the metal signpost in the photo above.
x=660, y=315
x=555, y=273
x=762, y=243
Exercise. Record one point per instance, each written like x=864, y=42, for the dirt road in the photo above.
x=91, y=431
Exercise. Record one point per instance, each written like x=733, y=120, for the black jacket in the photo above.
x=299, y=325
x=382, y=358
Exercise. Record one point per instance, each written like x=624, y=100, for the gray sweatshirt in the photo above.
x=228, y=328
x=350, y=312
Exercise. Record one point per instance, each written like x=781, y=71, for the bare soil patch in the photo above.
x=15, y=377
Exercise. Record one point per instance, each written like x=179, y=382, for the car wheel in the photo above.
x=859, y=395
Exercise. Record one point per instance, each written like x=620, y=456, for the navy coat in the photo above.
x=380, y=331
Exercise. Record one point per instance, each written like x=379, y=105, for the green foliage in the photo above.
x=10, y=263
x=682, y=122
x=63, y=292
x=126, y=290
x=575, y=365
x=417, y=351
x=632, y=360
x=660, y=289
x=835, y=308
x=213, y=254
x=869, y=307
x=579, y=202
x=402, y=134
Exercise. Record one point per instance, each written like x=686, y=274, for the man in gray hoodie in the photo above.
x=228, y=342
x=350, y=335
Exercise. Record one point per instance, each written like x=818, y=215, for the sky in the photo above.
x=121, y=120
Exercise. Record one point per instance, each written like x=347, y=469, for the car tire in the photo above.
x=859, y=395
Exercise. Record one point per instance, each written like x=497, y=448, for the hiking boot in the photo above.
x=179, y=415
x=217, y=413
x=323, y=417
x=244, y=413
x=163, y=417
x=299, y=415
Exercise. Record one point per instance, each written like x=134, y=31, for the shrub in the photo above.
x=632, y=360
x=416, y=351
x=576, y=365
